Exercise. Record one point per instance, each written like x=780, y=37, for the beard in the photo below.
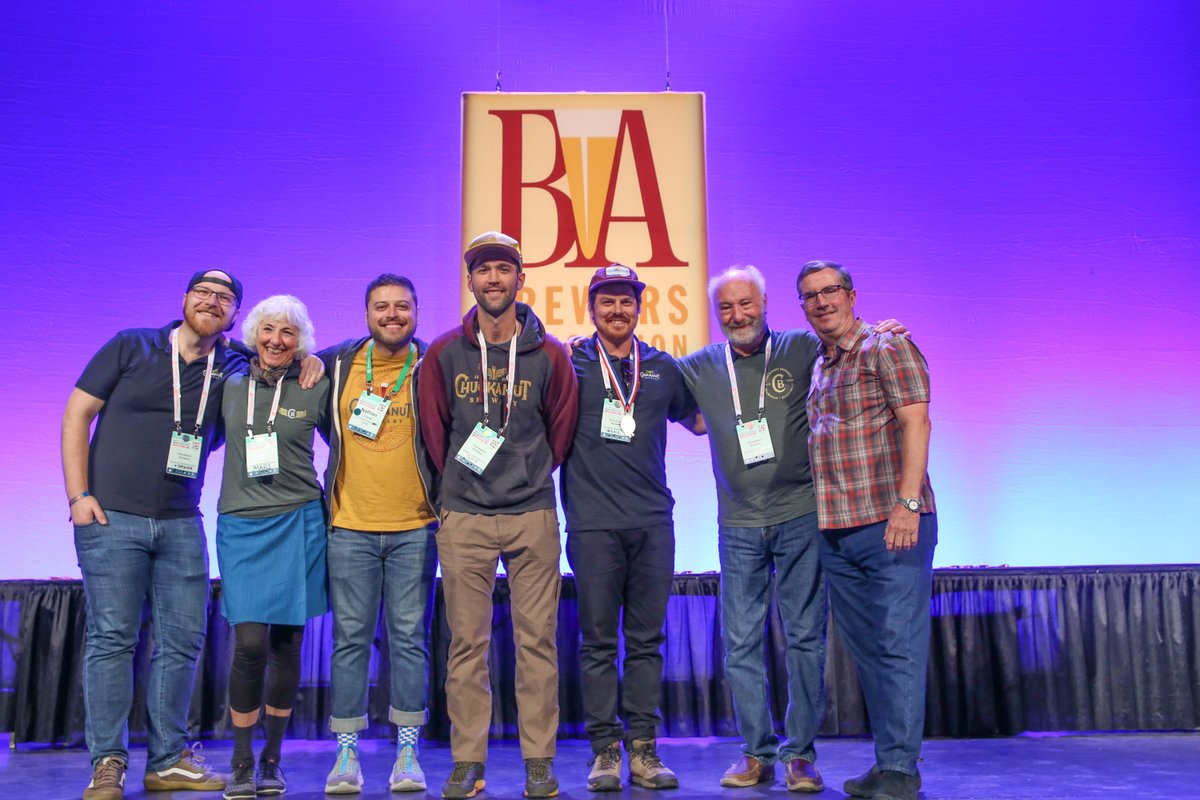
x=745, y=335
x=392, y=339
x=205, y=325
x=498, y=306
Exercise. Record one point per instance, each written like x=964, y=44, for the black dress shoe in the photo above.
x=884, y=784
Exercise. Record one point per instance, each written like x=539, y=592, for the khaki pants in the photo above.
x=528, y=545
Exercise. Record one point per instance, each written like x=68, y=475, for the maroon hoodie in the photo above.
x=541, y=422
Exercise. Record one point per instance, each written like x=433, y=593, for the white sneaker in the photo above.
x=346, y=775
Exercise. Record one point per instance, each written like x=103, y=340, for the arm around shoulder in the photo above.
x=561, y=411
x=433, y=406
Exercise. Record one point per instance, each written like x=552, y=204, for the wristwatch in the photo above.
x=913, y=504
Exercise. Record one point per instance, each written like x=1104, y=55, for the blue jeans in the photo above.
x=881, y=608
x=749, y=556
x=124, y=562
x=365, y=568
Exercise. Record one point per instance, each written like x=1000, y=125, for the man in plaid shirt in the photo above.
x=868, y=407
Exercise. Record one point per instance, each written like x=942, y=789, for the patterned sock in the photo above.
x=407, y=735
x=275, y=726
x=348, y=740
x=243, y=748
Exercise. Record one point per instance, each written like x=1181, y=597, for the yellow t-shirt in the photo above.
x=378, y=487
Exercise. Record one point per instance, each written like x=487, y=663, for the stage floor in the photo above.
x=1030, y=767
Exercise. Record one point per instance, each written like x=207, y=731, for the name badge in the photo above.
x=184, y=456
x=262, y=455
x=615, y=424
x=755, y=440
x=368, y=415
x=479, y=448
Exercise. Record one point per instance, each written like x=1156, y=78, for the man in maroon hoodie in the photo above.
x=498, y=400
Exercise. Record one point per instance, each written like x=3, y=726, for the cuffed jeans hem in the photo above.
x=766, y=758
x=809, y=755
x=910, y=770
x=347, y=724
x=410, y=719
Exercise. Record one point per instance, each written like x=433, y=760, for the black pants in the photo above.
x=256, y=645
x=627, y=571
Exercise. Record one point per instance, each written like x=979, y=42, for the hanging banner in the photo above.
x=585, y=180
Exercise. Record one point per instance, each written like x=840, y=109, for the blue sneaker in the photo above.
x=407, y=775
x=346, y=775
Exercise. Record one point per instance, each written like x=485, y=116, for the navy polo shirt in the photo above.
x=611, y=485
x=127, y=458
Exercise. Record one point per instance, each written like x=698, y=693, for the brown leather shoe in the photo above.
x=747, y=771
x=802, y=776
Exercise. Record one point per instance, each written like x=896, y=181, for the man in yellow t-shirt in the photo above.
x=380, y=496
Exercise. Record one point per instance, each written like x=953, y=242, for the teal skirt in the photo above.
x=273, y=568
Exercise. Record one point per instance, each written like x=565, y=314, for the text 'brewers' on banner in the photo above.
x=585, y=180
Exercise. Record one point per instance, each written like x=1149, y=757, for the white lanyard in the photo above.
x=250, y=407
x=212, y=354
x=611, y=384
x=483, y=378
x=762, y=388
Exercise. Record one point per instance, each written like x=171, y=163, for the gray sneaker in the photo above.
x=188, y=773
x=606, y=770
x=646, y=768
x=270, y=779
x=539, y=778
x=466, y=780
x=407, y=775
x=108, y=780
x=346, y=775
x=240, y=785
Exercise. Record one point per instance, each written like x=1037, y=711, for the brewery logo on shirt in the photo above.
x=780, y=383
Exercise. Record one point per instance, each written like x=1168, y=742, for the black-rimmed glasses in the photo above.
x=828, y=292
x=223, y=298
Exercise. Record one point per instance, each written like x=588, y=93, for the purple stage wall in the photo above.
x=1018, y=182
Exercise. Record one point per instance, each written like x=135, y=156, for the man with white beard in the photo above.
x=751, y=391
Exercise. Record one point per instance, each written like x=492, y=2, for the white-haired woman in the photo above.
x=270, y=533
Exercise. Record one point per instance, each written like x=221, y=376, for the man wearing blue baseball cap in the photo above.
x=620, y=531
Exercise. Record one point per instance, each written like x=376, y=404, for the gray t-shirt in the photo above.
x=773, y=491
x=301, y=412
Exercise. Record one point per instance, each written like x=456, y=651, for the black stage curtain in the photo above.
x=1012, y=650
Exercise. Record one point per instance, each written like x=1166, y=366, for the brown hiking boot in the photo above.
x=646, y=768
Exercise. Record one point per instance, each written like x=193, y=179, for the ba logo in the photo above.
x=583, y=181
x=594, y=151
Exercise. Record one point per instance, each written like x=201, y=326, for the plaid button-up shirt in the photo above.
x=855, y=444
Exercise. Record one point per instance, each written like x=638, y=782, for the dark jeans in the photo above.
x=881, y=607
x=631, y=571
